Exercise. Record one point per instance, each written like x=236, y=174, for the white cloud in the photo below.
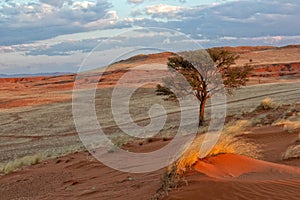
x=110, y=19
x=78, y=5
x=55, y=3
x=247, y=22
x=135, y=1
x=131, y=19
x=26, y=22
x=162, y=10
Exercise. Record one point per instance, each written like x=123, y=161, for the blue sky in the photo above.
x=57, y=35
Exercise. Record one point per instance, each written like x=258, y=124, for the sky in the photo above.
x=59, y=35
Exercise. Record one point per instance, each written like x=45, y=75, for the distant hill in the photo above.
x=33, y=75
x=258, y=56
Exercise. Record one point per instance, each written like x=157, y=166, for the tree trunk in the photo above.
x=202, y=109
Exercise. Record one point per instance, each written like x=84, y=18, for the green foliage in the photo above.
x=201, y=68
x=234, y=77
x=222, y=58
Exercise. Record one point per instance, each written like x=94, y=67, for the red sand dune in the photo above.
x=80, y=176
x=230, y=176
x=236, y=166
x=224, y=177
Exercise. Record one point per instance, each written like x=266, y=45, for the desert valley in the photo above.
x=256, y=157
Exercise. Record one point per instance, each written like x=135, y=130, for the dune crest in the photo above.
x=235, y=166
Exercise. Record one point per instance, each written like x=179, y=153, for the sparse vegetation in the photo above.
x=293, y=152
x=160, y=90
x=169, y=180
x=236, y=127
x=21, y=162
x=267, y=104
x=290, y=124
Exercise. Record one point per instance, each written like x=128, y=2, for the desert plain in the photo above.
x=256, y=157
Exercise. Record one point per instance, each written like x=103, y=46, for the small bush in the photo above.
x=267, y=104
x=164, y=91
x=291, y=124
x=161, y=90
x=21, y=162
x=236, y=127
x=169, y=180
x=293, y=152
x=288, y=125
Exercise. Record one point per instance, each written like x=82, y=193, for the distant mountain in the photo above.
x=33, y=75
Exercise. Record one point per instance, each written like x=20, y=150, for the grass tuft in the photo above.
x=226, y=144
x=267, y=104
x=293, y=152
x=291, y=124
x=236, y=127
x=21, y=162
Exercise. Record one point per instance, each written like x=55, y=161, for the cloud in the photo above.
x=244, y=19
x=136, y=12
x=232, y=23
x=143, y=1
x=28, y=22
x=135, y=1
x=162, y=11
x=56, y=3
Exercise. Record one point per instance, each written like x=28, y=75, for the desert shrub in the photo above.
x=292, y=152
x=20, y=162
x=161, y=90
x=169, y=180
x=288, y=125
x=236, y=127
x=267, y=104
x=291, y=124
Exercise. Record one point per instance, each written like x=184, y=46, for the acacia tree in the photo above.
x=201, y=68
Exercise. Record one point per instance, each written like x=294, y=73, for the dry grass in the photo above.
x=291, y=124
x=226, y=144
x=236, y=127
x=20, y=162
x=292, y=152
x=267, y=104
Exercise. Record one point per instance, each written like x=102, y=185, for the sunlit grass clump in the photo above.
x=20, y=162
x=291, y=124
x=267, y=104
x=236, y=127
x=293, y=152
x=225, y=144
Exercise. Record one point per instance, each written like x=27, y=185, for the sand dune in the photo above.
x=226, y=176
x=231, y=176
x=236, y=166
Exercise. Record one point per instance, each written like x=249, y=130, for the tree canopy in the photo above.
x=200, y=68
